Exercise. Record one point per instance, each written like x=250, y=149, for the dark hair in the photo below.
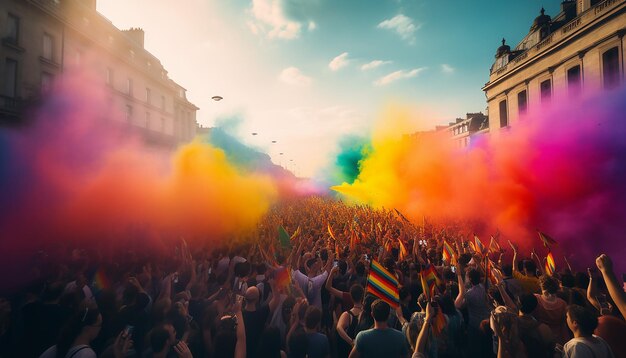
x=528, y=303
x=269, y=343
x=225, y=339
x=474, y=276
x=242, y=269
x=464, y=259
x=356, y=293
x=447, y=305
x=260, y=269
x=530, y=266
x=310, y=262
x=312, y=317
x=359, y=268
x=158, y=337
x=568, y=280
x=380, y=310
x=343, y=267
x=324, y=254
x=582, y=280
x=586, y=319
x=298, y=344
x=81, y=319
x=549, y=284
x=52, y=292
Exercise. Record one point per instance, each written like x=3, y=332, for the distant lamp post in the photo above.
x=217, y=98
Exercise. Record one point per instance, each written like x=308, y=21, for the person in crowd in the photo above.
x=528, y=277
x=582, y=322
x=380, y=341
x=475, y=300
x=348, y=321
x=76, y=336
x=551, y=309
x=318, y=346
x=537, y=337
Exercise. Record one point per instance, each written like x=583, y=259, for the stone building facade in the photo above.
x=579, y=50
x=42, y=39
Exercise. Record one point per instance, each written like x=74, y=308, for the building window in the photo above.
x=12, y=29
x=109, y=76
x=522, y=102
x=610, y=68
x=129, y=114
x=46, y=82
x=148, y=95
x=47, y=47
x=129, y=87
x=574, y=80
x=148, y=120
x=10, y=78
x=504, y=116
x=546, y=91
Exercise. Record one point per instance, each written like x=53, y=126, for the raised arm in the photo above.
x=459, y=302
x=329, y=262
x=240, y=346
x=422, y=338
x=605, y=265
x=514, y=263
x=329, y=284
x=508, y=301
x=592, y=292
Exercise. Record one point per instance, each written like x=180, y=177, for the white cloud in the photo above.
x=312, y=25
x=339, y=62
x=402, y=25
x=373, y=64
x=398, y=75
x=293, y=76
x=445, y=68
x=271, y=20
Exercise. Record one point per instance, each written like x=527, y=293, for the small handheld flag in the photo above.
x=547, y=240
x=550, y=264
x=283, y=238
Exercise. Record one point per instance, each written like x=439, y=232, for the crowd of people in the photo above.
x=308, y=295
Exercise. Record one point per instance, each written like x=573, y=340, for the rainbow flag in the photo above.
x=550, y=264
x=403, y=253
x=494, y=247
x=283, y=277
x=383, y=284
x=480, y=248
x=448, y=253
x=101, y=281
x=430, y=280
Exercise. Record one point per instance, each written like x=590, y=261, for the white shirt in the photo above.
x=81, y=351
x=591, y=347
x=312, y=287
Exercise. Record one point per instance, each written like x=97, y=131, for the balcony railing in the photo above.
x=581, y=20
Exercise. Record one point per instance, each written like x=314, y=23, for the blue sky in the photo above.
x=293, y=70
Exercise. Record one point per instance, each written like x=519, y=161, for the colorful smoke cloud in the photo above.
x=560, y=170
x=76, y=175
